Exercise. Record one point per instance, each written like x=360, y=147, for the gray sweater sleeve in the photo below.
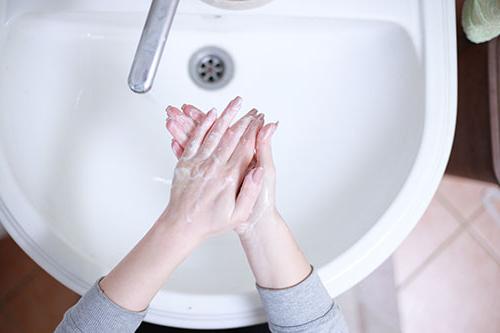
x=303, y=308
x=306, y=308
x=96, y=313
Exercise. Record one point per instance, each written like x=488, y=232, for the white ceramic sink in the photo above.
x=365, y=92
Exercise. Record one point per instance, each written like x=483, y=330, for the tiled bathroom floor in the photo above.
x=448, y=269
x=447, y=272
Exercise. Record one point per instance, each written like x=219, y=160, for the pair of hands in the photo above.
x=225, y=179
x=225, y=176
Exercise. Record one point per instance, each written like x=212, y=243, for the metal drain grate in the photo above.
x=211, y=68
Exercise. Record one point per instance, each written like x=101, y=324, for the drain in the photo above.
x=211, y=68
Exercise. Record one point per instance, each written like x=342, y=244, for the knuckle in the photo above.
x=183, y=164
x=209, y=168
x=212, y=138
x=215, y=159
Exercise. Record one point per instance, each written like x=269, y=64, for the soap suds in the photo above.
x=229, y=180
x=162, y=180
x=263, y=205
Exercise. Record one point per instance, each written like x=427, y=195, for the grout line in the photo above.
x=456, y=213
x=469, y=226
x=483, y=243
x=361, y=312
x=462, y=226
x=411, y=277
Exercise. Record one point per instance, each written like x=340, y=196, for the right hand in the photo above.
x=213, y=189
x=272, y=252
x=181, y=125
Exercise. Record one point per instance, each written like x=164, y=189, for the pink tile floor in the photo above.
x=448, y=269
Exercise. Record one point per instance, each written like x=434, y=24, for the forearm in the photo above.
x=119, y=301
x=292, y=294
x=134, y=282
x=273, y=254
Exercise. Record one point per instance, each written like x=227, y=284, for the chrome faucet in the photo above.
x=150, y=48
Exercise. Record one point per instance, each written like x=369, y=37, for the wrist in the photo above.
x=182, y=231
x=273, y=254
x=266, y=227
x=138, y=277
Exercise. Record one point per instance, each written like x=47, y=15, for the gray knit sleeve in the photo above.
x=305, y=307
x=95, y=312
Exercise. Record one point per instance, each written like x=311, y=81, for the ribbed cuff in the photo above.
x=95, y=312
x=297, y=305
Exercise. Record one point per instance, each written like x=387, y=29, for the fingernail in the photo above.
x=183, y=106
x=269, y=132
x=252, y=112
x=237, y=101
x=258, y=174
x=212, y=113
x=273, y=129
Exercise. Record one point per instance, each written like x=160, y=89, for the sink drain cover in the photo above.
x=211, y=68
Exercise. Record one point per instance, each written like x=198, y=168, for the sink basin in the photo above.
x=365, y=93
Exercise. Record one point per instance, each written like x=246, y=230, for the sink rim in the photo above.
x=385, y=227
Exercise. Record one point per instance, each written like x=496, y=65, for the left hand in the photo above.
x=181, y=125
x=213, y=188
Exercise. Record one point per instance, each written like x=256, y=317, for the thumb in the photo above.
x=263, y=145
x=247, y=197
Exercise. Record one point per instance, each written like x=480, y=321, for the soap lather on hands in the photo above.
x=182, y=124
x=213, y=190
x=213, y=172
x=264, y=235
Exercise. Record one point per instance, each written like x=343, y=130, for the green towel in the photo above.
x=481, y=19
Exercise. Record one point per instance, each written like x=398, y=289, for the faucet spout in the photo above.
x=147, y=57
